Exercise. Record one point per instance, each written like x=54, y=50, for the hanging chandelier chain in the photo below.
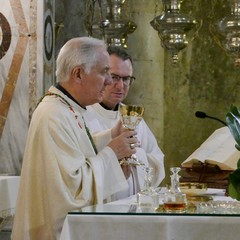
x=106, y=19
x=156, y=8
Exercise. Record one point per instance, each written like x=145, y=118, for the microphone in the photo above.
x=204, y=115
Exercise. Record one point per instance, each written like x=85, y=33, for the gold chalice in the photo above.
x=131, y=116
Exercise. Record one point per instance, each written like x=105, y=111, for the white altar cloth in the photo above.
x=8, y=192
x=138, y=227
x=121, y=226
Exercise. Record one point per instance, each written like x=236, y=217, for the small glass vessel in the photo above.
x=175, y=201
x=148, y=198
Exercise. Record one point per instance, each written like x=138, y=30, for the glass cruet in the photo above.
x=175, y=201
x=147, y=198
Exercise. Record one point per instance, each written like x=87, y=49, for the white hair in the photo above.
x=81, y=51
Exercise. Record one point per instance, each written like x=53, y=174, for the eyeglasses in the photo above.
x=127, y=80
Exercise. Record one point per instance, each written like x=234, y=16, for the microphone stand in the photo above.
x=204, y=115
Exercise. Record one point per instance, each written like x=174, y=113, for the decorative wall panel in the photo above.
x=26, y=71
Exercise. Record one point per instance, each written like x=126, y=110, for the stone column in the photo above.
x=145, y=47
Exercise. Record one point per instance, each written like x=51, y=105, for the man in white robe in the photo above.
x=105, y=115
x=61, y=169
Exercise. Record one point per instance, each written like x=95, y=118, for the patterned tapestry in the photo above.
x=26, y=72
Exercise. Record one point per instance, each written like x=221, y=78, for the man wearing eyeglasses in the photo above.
x=105, y=115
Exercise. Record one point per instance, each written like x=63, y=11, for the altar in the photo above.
x=121, y=220
x=8, y=197
x=8, y=192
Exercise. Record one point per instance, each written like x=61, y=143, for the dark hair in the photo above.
x=119, y=52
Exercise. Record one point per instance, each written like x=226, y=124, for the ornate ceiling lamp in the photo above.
x=229, y=27
x=173, y=27
x=105, y=19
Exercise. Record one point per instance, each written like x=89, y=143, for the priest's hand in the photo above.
x=118, y=129
x=123, y=144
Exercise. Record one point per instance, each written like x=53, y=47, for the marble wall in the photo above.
x=206, y=79
x=69, y=18
x=26, y=70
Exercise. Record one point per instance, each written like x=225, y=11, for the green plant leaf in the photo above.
x=233, y=123
x=234, y=186
x=238, y=163
x=233, y=193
